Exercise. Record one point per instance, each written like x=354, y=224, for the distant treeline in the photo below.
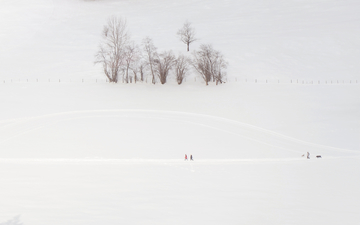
x=124, y=60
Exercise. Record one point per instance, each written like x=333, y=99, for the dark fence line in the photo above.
x=292, y=81
x=191, y=80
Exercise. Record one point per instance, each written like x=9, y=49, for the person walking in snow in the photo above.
x=185, y=157
x=308, y=155
x=191, y=158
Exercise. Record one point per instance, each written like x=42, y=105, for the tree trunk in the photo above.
x=127, y=74
x=152, y=73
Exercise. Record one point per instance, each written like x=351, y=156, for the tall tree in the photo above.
x=187, y=34
x=150, y=55
x=111, y=50
x=131, y=55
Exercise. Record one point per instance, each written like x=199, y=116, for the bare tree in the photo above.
x=131, y=55
x=210, y=64
x=201, y=63
x=151, y=55
x=111, y=50
x=187, y=34
x=219, y=67
x=164, y=63
x=181, y=67
x=138, y=69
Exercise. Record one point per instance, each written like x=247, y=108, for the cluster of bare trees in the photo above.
x=123, y=60
x=210, y=64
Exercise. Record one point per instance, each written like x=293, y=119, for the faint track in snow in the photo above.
x=162, y=161
x=14, y=128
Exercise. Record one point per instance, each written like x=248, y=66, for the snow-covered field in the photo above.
x=74, y=152
x=82, y=153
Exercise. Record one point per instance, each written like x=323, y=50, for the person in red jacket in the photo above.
x=185, y=157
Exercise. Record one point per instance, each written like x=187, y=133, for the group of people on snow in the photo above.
x=191, y=157
x=308, y=155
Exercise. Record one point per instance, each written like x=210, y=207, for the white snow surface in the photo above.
x=74, y=152
x=99, y=153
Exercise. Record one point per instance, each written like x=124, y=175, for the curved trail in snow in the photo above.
x=15, y=128
x=158, y=161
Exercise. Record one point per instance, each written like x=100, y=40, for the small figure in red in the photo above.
x=185, y=157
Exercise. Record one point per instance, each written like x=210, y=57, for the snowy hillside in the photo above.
x=77, y=150
x=261, y=39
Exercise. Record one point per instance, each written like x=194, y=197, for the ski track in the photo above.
x=14, y=128
x=104, y=161
x=149, y=161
